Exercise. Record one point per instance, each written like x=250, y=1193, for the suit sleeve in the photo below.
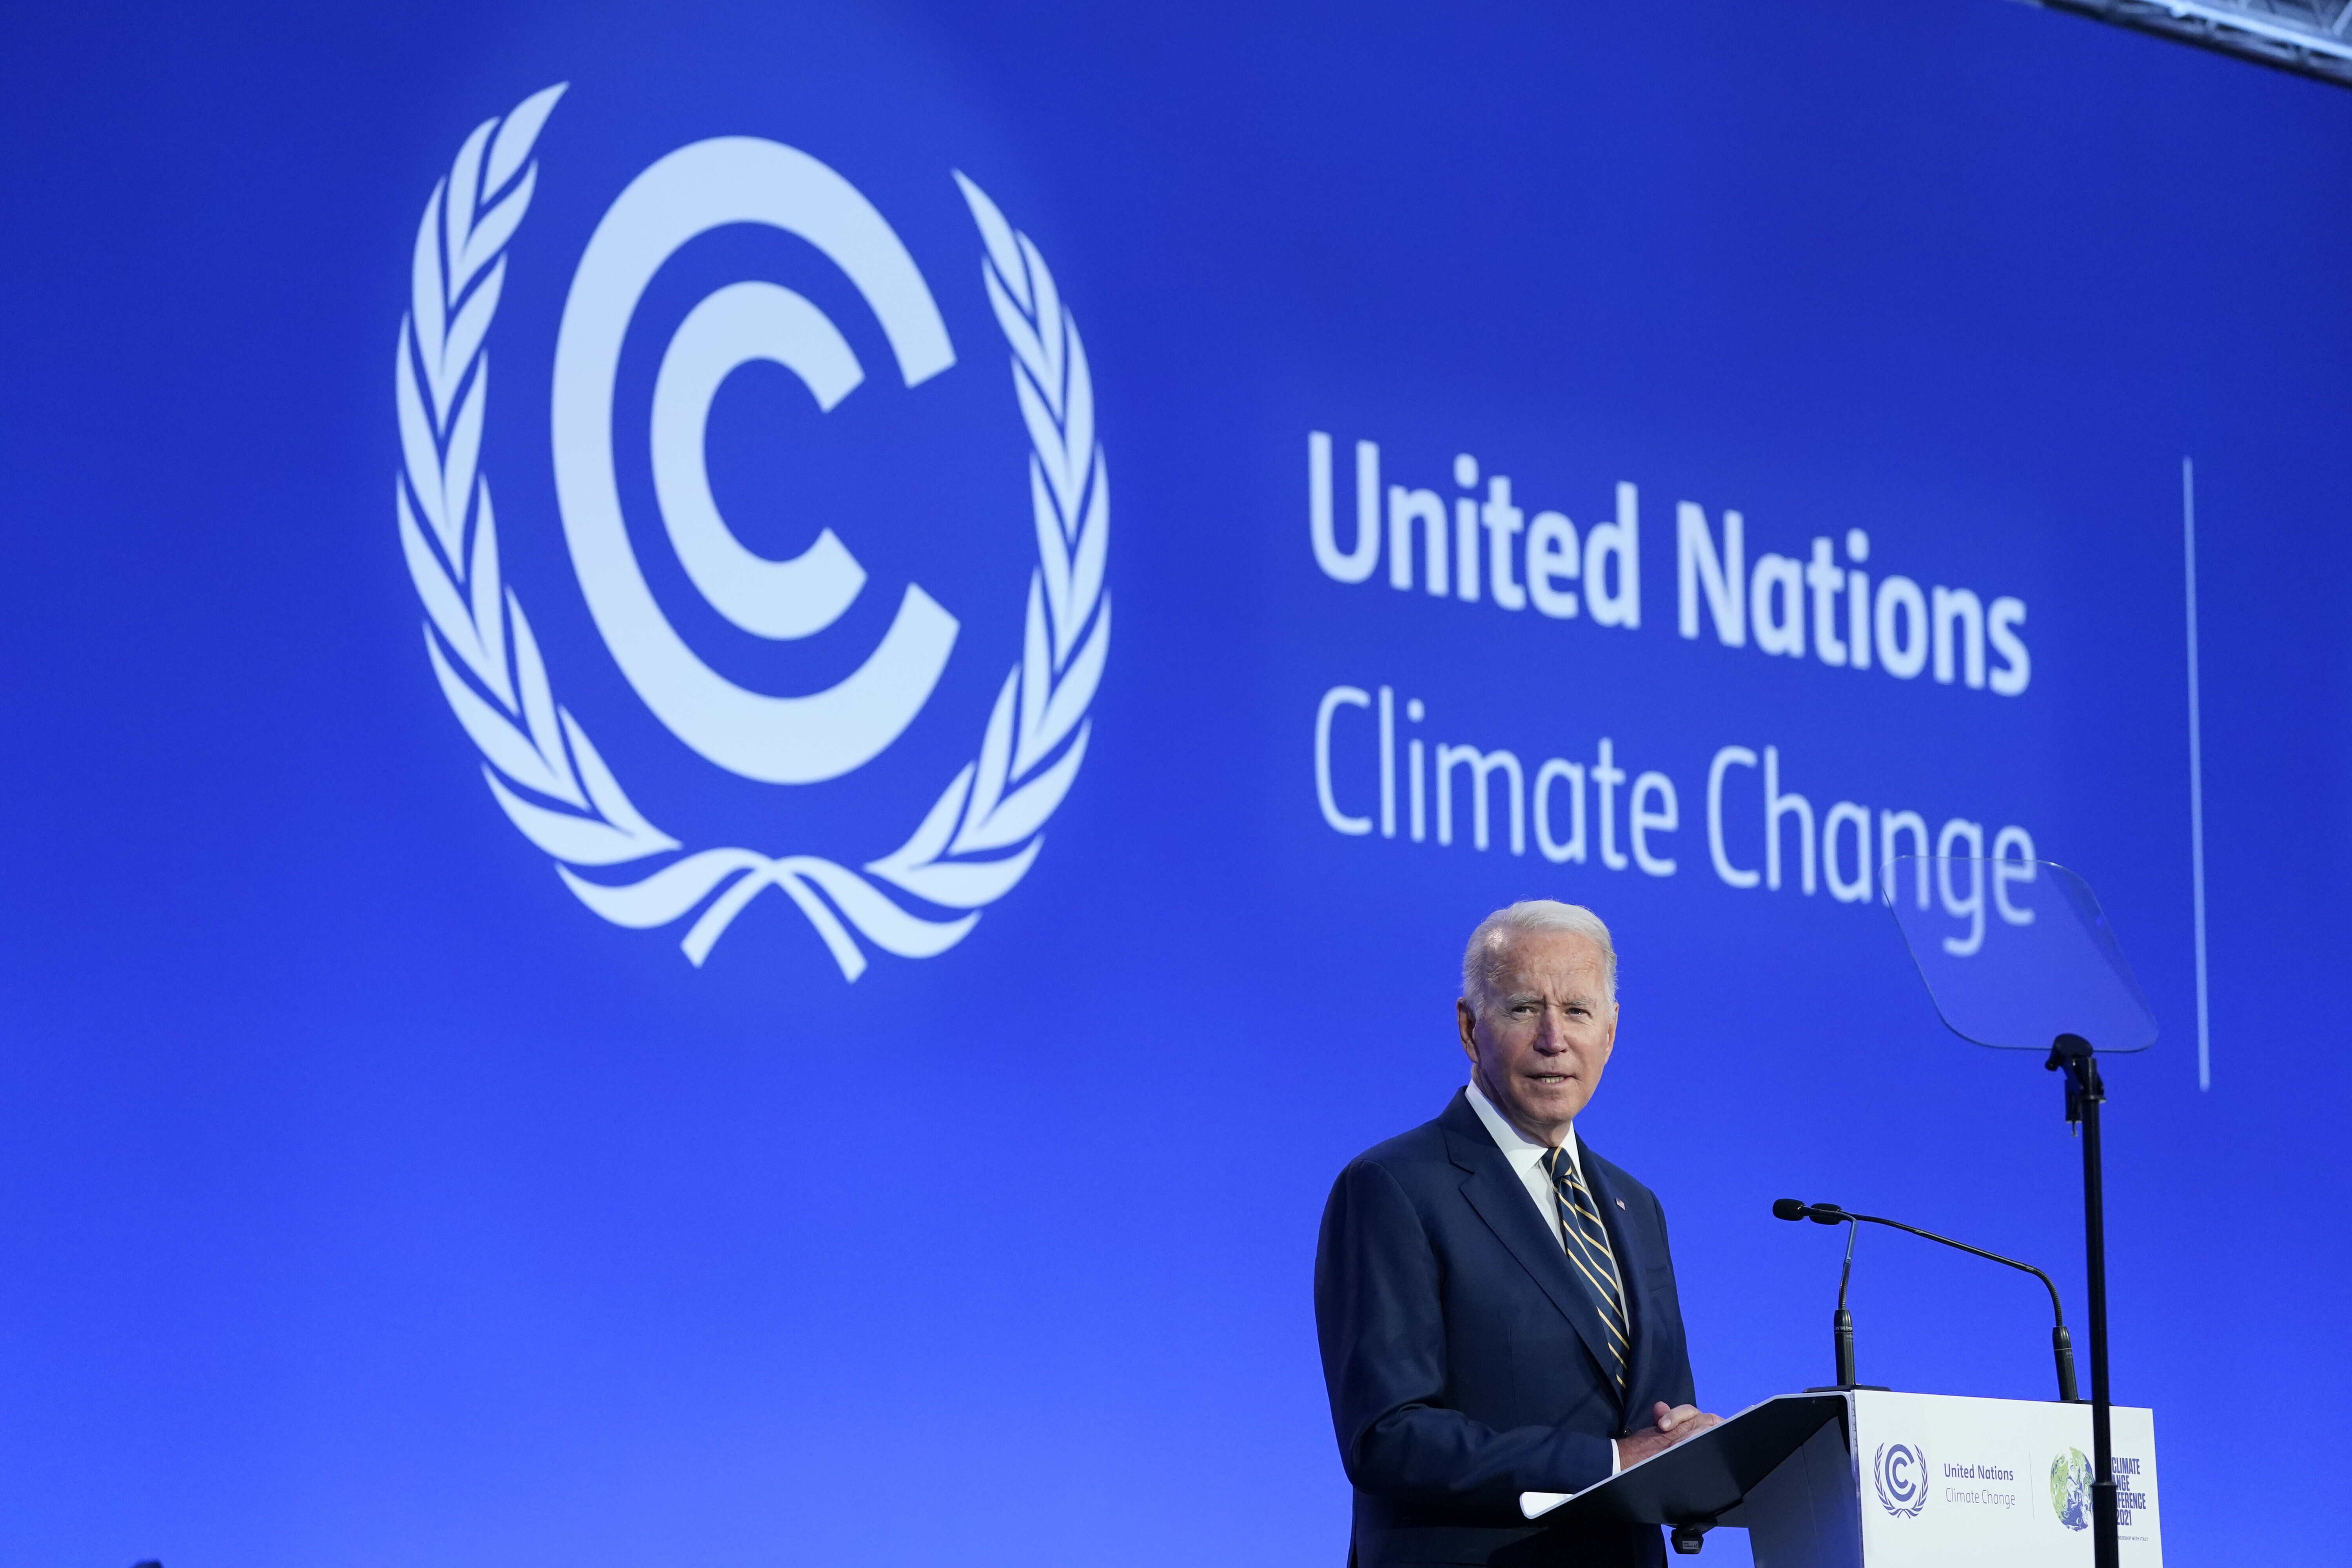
x=1683, y=1389
x=1380, y=1315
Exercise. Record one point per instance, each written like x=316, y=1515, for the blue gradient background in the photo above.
x=364, y=1199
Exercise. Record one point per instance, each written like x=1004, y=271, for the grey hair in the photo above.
x=1491, y=941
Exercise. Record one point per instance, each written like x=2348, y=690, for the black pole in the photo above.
x=2103, y=1545
x=2085, y=1093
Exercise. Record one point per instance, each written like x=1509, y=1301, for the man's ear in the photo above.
x=1465, y=1024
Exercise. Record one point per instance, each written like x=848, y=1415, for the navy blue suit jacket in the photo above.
x=1463, y=1355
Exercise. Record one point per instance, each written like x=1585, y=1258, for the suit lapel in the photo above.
x=1500, y=1199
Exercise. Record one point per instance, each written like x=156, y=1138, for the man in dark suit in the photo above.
x=1495, y=1302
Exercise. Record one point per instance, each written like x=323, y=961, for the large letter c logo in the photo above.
x=728, y=180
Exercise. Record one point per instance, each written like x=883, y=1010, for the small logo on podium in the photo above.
x=1899, y=1470
x=2070, y=1489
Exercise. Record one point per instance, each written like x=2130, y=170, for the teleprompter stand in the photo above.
x=2072, y=1054
x=2015, y=953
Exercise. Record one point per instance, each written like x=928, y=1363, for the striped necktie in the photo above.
x=1588, y=1249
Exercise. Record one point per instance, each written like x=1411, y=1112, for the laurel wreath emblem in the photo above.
x=981, y=836
x=1902, y=1496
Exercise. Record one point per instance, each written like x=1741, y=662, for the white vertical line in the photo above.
x=2196, y=769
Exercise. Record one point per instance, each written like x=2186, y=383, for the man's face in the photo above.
x=1537, y=1047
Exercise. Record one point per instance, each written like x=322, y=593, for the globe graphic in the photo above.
x=2070, y=1489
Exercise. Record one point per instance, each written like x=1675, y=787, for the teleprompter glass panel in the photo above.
x=2016, y=953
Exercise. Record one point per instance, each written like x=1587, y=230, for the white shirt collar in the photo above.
x=1525, y=1154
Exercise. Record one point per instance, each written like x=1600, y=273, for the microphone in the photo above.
x=2062, y=1347
x=1842, y=1322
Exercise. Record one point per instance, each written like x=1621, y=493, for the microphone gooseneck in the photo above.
x=1840, y=1320
x=2062, y=1346
x=1842, y=1325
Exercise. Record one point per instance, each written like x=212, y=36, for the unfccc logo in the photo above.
x=984, y=830
x=1900, y=1472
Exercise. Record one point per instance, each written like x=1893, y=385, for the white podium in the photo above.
x=1867, y=1479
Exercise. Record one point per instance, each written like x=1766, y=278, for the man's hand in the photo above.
x=1675, y=1424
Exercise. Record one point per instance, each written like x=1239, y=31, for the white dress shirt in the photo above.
x=1526, y=1158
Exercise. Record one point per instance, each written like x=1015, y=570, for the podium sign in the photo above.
x=1948, y=1482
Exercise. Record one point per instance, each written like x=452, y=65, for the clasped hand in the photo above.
x=1675, y=1424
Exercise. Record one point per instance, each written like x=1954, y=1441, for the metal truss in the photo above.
x=2310, y=37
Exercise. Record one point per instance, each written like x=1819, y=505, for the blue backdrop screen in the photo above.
x=622, y=961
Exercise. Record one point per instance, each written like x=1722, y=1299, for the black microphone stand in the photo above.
x=1842, y=1325
x=2085, y=1093
x=2061, y=1345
